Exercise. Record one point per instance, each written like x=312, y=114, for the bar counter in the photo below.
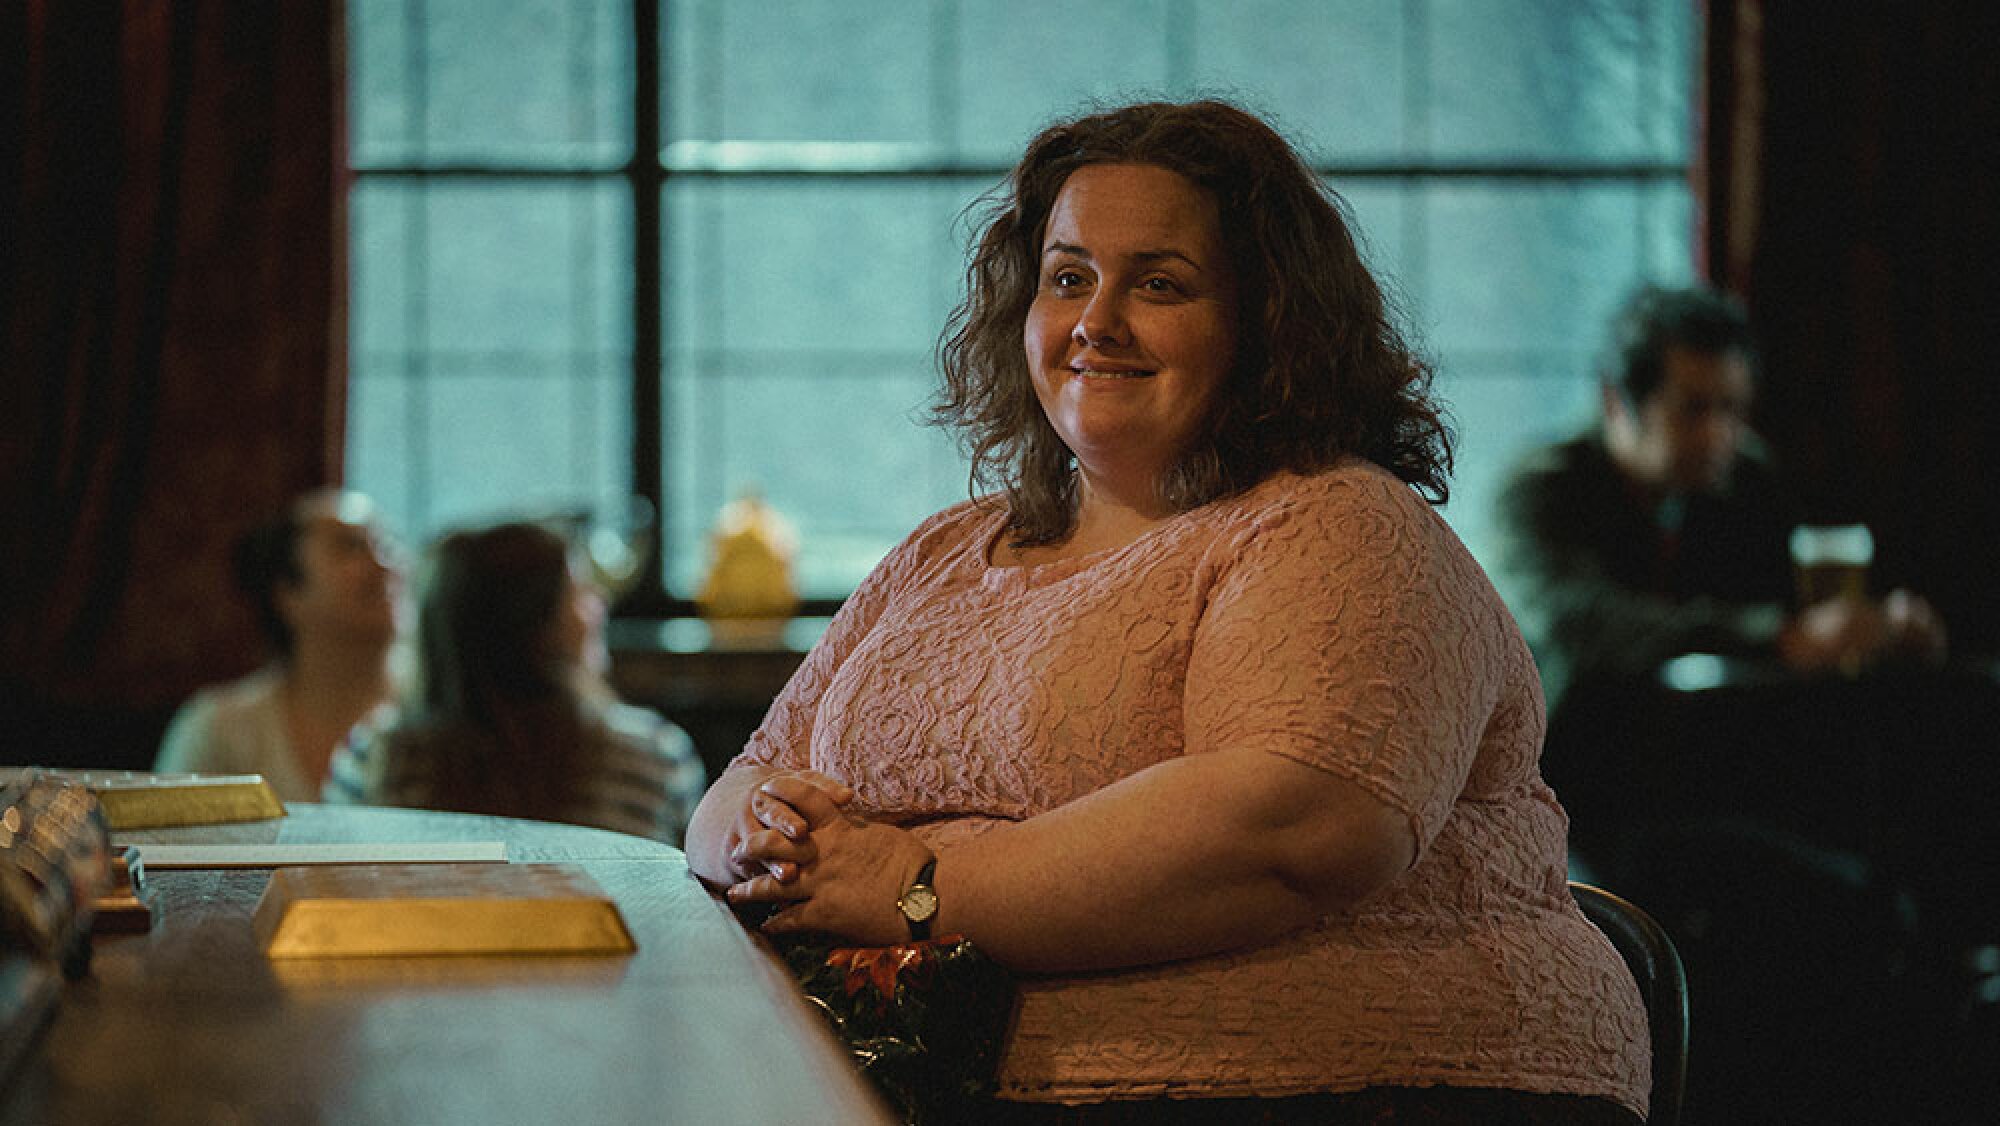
x=189, y=1022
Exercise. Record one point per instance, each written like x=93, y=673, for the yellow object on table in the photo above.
x=134, y=799
x=748, y=595
x=373, y=910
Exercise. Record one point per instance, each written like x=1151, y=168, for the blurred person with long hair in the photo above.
x=511, y=713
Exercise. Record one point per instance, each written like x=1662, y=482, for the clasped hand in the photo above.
x=798, y=848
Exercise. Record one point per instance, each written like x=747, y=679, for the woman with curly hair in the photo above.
x=1201, y=720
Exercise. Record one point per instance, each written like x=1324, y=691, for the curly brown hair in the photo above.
x=1322, y=372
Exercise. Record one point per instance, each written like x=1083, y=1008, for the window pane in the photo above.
x=384, y=99
x=836, y=448
x=481, y=438
x=527, y=82
x=1504, y=410
x=1527, y=267
x=1561, y=80
x=383, y=309
x=801, y=316
x=1666, y=232
x=491, y=360
x=1520, y=280
x=1024, y=62
x=792, y=70
x=1668, y=77
x=519, y=438
x=383, y=451
x=1379, y=214
x=772, y=264
x=529, y=266
x=1330, y=73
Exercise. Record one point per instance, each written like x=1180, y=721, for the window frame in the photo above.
x=655, y=162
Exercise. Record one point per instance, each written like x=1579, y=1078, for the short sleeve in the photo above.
x=1347, y=635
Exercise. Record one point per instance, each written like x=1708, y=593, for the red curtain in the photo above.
x=1842, y=194
x=174, y=328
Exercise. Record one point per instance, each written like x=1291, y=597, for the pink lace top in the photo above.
x=1332, y=619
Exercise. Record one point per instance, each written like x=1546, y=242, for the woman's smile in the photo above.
x=1102, y=371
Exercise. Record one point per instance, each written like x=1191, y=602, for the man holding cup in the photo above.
x=1665, y=531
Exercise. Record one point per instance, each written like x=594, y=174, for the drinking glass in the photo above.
x=1831, y=561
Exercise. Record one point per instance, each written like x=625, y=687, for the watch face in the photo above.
x=919, y=903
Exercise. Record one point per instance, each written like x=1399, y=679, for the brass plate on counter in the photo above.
x=134, y=799
x=380, y=910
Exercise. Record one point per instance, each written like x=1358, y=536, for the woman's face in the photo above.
x=1133, y=325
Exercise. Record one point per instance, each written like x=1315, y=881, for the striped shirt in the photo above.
x=644, y=776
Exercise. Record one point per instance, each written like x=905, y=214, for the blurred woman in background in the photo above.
x=511, y=714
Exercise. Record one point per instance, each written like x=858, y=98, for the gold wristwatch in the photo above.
x=919, y=902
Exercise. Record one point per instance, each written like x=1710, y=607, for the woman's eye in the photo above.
x=1066, y=279
x=1160, y=285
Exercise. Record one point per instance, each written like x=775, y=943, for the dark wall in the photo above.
x=1876, y=238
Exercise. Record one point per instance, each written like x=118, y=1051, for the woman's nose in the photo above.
x=1101, y=321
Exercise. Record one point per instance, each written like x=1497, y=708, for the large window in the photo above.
x=688, y=248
